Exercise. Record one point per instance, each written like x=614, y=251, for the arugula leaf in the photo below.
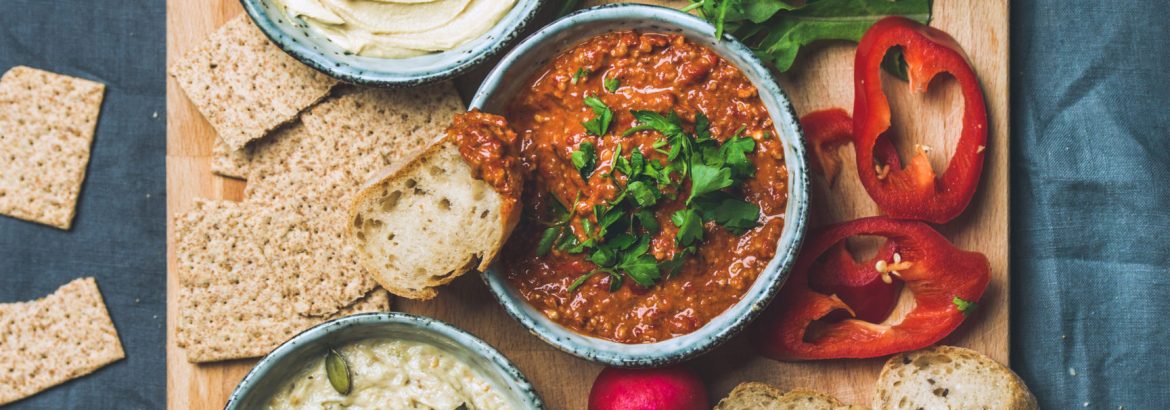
x=585, y=159
x=546, y=240
x=706, y=178
x=737, y=215
x=777, y=30
x=612, y=84
x=581, y=73
x=690, y=226
x=599, y=125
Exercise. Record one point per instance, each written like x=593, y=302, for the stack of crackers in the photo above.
x=254, y=273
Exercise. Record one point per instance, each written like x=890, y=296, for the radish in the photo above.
x=668, y=388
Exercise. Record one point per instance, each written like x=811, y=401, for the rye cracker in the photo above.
x=232, y=261
x=245, y=86
x=47, y=122
x=49, y=341
x=318, y=170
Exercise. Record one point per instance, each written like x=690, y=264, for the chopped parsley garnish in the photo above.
x=581, y=73
x=599, y=125
x=585, y=159
x=612, y=84
x=617, y=236
x=964, y=306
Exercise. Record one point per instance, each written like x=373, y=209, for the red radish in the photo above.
x=668, y=388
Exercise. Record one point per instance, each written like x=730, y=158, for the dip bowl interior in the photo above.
x=533, y=54
x=299, y=40
x=286, y=361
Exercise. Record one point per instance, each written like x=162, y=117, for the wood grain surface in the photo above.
x=822, y=78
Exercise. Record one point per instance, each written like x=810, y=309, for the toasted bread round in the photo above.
x=427, y=220
x=752, y=396
x=947, y=377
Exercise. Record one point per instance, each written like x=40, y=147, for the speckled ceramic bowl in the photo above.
x=298, y=40
x=284, y=362
x=533, y=54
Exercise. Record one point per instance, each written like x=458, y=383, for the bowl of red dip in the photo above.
x=665, y=192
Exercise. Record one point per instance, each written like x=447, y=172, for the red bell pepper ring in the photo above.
x=858, y=284
x=941, y=278
x=826, y=130
x=915, y=192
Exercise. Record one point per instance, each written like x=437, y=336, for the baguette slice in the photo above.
x=751, y=395
x=947, y=377
x=426, y=220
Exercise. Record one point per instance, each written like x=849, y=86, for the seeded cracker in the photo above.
x=232, y=259
x=47, y=123
x=244, y=85
x=49, y=341
x=317, y=172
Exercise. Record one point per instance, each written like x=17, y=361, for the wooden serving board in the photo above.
x=821, y=79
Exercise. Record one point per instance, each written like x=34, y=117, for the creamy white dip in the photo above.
x=391, y=374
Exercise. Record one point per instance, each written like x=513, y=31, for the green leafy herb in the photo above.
x=964, y=306
x=895, y=63
x=776, y=30
x=337, y=371
x=690, y=227
x=737, y=215
x=581, y=73
x=547, y=239
x=599, y=125
x=612, y=84
x=581, y=280
x=706, y=178
x=585, y=159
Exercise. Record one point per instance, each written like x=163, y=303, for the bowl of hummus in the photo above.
x=384, y=360
x=392, y=42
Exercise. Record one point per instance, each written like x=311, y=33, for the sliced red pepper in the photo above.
x=915, y=192
x=937, y=274
x=826, y=130
x=858, y=284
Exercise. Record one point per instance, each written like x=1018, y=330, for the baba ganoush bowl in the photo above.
x=289, y=359
x=527, y=60
x=311, y=47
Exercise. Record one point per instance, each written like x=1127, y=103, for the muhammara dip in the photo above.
x=398, y=28
x=391, y=374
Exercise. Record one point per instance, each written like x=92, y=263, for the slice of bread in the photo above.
x=426, y=220
x=947, y=377
x=752, y=396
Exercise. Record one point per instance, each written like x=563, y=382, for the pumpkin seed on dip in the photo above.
x=387, y=374
x=398, y=28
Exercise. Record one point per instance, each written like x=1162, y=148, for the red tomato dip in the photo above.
x=637, y=71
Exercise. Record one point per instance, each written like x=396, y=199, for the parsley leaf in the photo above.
x=734, y=152
x=737, y=215
x=581, y=280
x=599, y=125
x=585, y=159
x=690, y=227
x=546, y=240
x=581, y=73
x=644, y=194
x=706, y=178
x=641, y=267
x=612, y=84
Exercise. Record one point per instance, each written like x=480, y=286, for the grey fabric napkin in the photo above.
x=119, y=234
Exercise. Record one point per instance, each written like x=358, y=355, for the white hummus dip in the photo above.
x=398, y=28
x=391, y=374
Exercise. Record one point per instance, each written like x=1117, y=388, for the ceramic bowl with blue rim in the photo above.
x=273, y=371
x=302, y=42
x=534, y=53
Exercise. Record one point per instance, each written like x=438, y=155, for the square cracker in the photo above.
x=232, y=259
x=316, y=170
x=47, y=122
x=244, y=85
x=49, y=341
